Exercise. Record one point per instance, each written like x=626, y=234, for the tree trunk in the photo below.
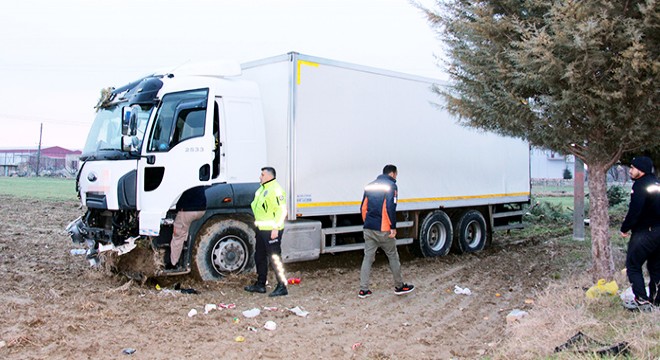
x=601, y=249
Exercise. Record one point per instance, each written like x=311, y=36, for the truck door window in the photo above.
x=180, y=116
x=189, y=124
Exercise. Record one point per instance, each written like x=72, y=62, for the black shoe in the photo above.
x=404, y=289
x=364, y=294
x=280, y=290
x=256, y=288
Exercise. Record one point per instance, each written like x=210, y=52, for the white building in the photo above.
x=547, y=164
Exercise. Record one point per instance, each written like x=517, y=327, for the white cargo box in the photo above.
x=332, y=126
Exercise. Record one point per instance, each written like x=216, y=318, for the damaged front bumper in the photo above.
x=97, y=240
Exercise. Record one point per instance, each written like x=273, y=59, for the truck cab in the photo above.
x=157, y=137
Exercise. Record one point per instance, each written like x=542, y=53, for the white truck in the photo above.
x=327, y=127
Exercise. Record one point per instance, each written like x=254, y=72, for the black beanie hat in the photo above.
x=643, y=163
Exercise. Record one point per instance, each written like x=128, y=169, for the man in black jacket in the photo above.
x=378, y=210
x=643, y=219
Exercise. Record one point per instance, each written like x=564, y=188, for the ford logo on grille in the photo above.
x=91, y=177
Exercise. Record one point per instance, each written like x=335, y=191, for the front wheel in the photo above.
x=470, y=233
x=223, y=248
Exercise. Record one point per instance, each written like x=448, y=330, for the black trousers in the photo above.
x=265, y=248
x=644, y=246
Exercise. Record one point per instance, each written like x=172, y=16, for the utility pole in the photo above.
x=578, y=200
x=41, y=129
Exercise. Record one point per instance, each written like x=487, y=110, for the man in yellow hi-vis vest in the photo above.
x=269, y=208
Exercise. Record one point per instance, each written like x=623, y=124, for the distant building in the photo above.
x=51, y=161
x=547, y=164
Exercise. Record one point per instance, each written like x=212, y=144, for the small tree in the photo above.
x=567, y=174
x=576, y=77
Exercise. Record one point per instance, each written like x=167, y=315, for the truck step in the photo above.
x=358, y=228
x=508, y=214
x=358, y=246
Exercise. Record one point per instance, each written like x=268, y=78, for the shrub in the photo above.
x=567, y=174
x=616, y=195
x=546, y=212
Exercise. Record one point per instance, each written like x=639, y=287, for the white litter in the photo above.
x=628, y=297
x=515, y=315
x=209, y=307
x=251, y=313
x=270, y=325
x=192, y=312
x=459, y=290
x=300, y=312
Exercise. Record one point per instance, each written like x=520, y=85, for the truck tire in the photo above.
x=470, y=234
x=435, y=235
x=225, y=247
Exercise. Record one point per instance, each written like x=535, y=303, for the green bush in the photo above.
x=567, y=174
x=547, y=212
x=616, y=195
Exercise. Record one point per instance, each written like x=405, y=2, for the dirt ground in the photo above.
x=55, y=306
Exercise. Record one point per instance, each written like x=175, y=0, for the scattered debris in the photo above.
x=78, y=251
x=192, y=313
x=128, y=351
x=209, y=307
x=299, y=311
x=270, y=325
x=356, y=346
x=460, y=290
x=178, y=287
x=270, y=308
x=515, y=315
x=239, y=339
x=602, y=288
x=226, y=306
x=581, y=343
x=251, y=313
x=294, y=281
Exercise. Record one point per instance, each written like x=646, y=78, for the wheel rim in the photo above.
x=229, y=254
x=436, y=236
x=473, y=234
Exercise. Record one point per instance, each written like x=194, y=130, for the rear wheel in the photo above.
x=435, y=235
x=470, y=233
x=223, y=248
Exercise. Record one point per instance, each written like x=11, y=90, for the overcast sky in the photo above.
x=58, y=54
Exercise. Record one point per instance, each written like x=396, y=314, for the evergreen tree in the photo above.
x=578, y=77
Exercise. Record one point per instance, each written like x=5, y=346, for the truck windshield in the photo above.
x=105, y=133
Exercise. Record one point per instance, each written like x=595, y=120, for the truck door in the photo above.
x=178, y=155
